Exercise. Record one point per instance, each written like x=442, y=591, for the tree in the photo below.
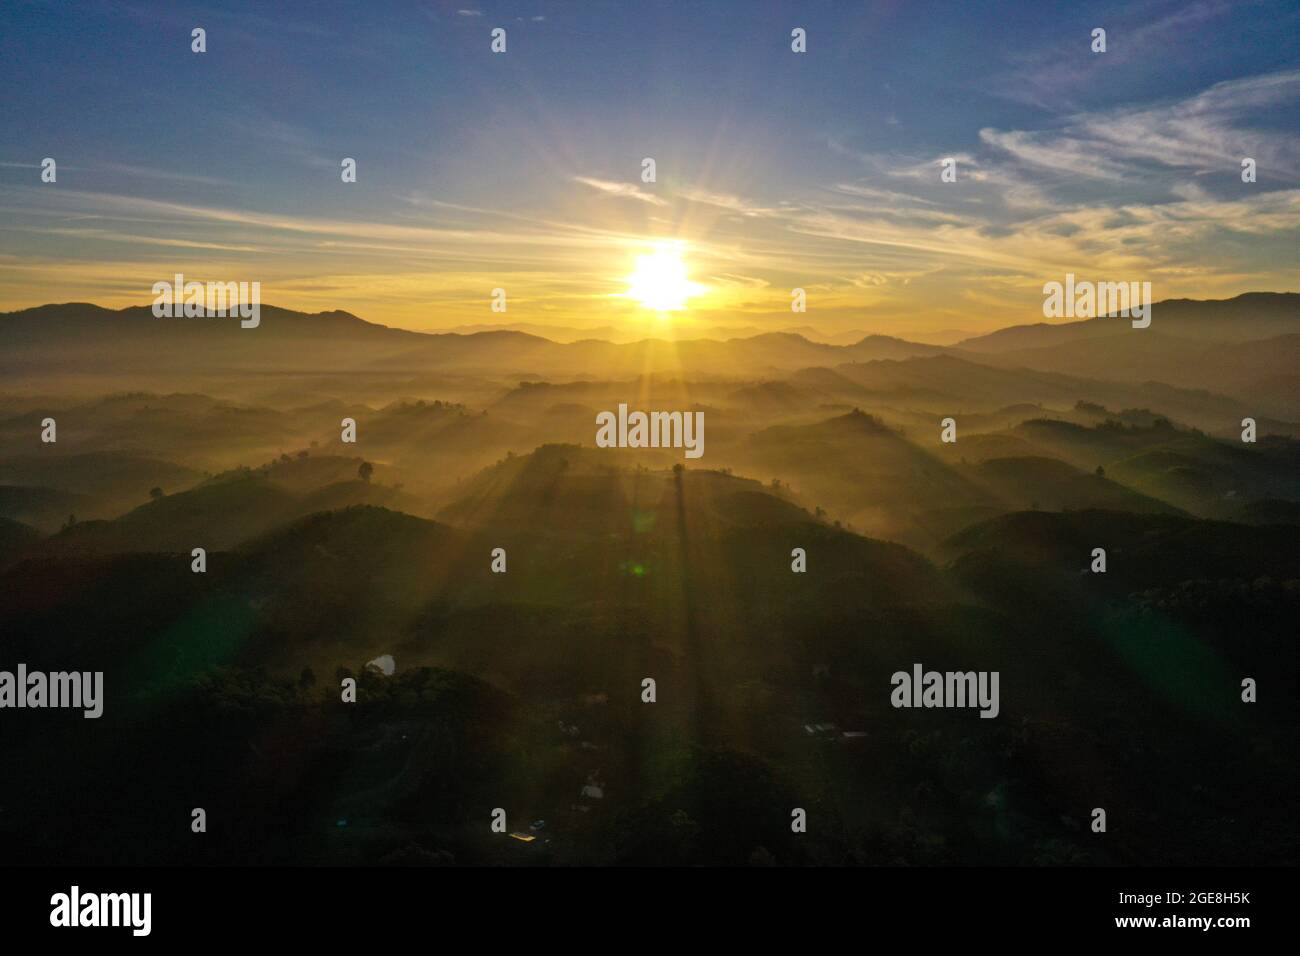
x=1100, y=472
x=155, y=492
x=365, y=471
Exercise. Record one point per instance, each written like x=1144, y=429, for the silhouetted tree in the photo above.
x=155, y=492
x=365, y=471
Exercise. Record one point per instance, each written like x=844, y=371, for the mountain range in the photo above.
x=522, y=687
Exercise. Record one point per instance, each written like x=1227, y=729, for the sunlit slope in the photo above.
x=911, y=487
x=227, y=510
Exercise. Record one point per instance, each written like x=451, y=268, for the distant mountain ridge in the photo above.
x=1248, y=346
x=1251, y=315
x=133, y=336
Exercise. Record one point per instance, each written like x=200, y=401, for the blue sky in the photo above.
x=774, y=170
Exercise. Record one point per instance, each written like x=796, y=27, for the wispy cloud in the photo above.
x=1203, y=133
x=1055, y=75
x=145, y=172
x=623, y=190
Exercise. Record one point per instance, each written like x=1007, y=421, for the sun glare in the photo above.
x=660, y=282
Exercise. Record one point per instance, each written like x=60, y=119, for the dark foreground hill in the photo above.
x=526, y=689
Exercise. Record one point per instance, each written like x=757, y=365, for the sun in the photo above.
x=660, y=281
